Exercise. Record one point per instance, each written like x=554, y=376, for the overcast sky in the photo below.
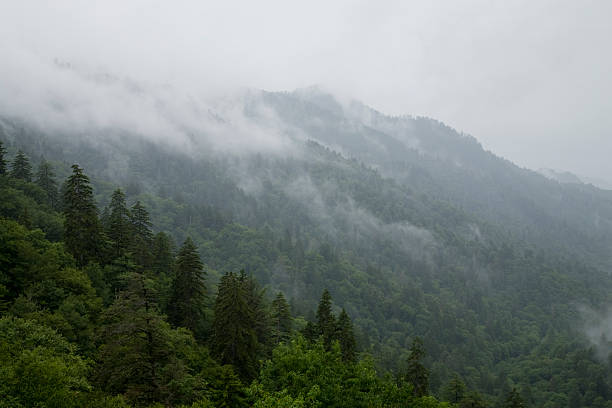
x=532, y=80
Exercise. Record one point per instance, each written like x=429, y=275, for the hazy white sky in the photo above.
x=532, y=80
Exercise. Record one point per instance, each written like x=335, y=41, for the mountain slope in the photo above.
x=414, y=228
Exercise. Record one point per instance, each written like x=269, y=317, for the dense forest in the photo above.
x=144, y=275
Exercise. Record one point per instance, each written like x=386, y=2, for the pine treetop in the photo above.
x=2, y=159
x=22, y=169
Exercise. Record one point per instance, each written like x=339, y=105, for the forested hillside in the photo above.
x=149, y=273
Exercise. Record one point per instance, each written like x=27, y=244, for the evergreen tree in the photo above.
x=22, y=169
x=234, y=340
x=186, y=306
x=162, y=253
x=261, y=318
x=310, y=332
x=280, y=319
x=142, y=236
x=82, y=232
x=326, y=321
x=473, y=400
x=2, y=159
x=346, y=337
x=119, y=229
x=45, y=178
x=416, y=373
x=455, y=390
x=514, y=400
x=137, y=357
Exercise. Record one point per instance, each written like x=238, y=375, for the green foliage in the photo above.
x=82, y=230
x=234, y=340
x=227, y=390
x=415, y=372
x=326, y=321
x=39, y=368
x=346, y=337
x=141, y=235
x=45, y=179
x=140, y=356
x=2, y=159
x=21, y=168
x=187, y=302
x=484, y=261
x=302, y=375
x=514, y=400
x=455, y=390
x=118, y=229
x=280, y=320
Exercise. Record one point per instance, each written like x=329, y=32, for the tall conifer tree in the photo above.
x=326, y=321
x=119, y=229
x=82, y=231
x=346, y=337
x=45, y=178
x=22, y=169
x=162, y=253
x=142, y=236
x=187, y=302
x=234, y=340
x=137, y=356
x=261, y=317
x=281, y=319
x=416, y=373
x=2, y=159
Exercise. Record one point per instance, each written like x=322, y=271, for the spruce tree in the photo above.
x=137, y=356
x=261, y=317
x=22, y=169
x=162, y=253
x=233, y=339
x=142, y=236
x=187, y=302
x=82, y=231
x=2, y=159
x=119, y=229
x=416, y=373
x=45, y=178
x=326, y=321
x=346, y=337
x=280, y=319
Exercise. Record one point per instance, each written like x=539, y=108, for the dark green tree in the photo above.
x=415, y=372
x=346, y=337
x=310, y=332
x=142, y=236
x=326, y=321
x=119, y=229
x=280, y=319
x=2, y=159
x=38, y=367
x=234, y=340
x=21, y=168
x=162, y=253
x=473, y=400
x=82, y=230
x=454, y=391
x=514, y=400
x=45, y=178
x=140, y=355
x=261, y=317
x=187, y=302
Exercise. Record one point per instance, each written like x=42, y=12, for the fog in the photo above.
x=529, y=80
